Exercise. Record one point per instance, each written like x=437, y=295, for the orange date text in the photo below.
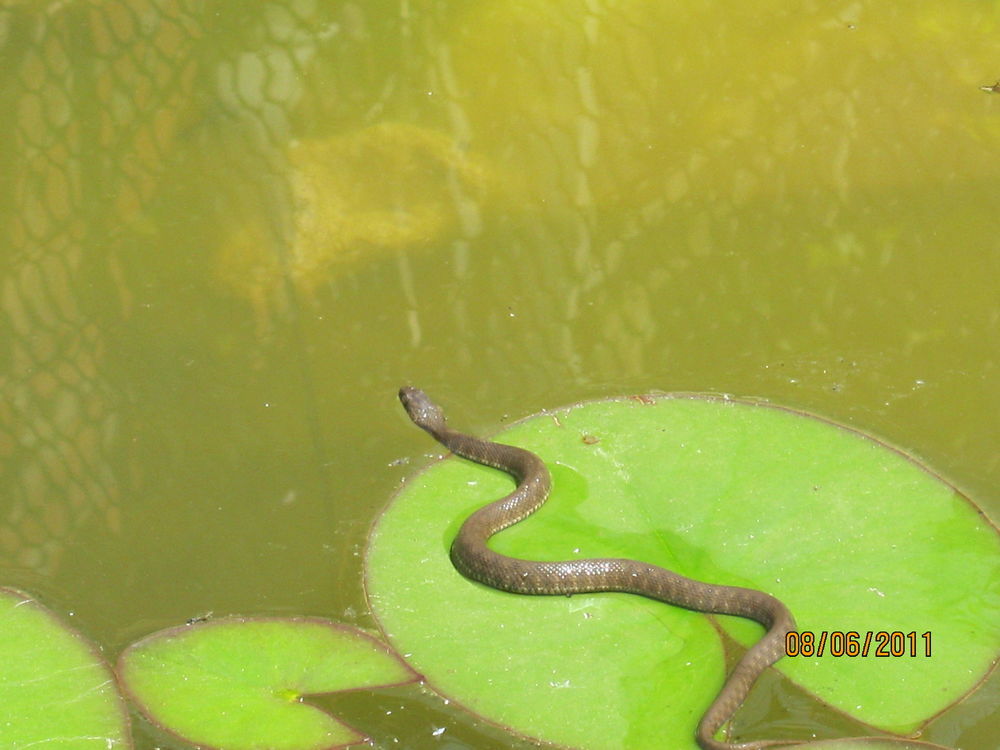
x=881, y=643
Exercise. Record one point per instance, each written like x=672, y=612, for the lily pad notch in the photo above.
x=237, y=682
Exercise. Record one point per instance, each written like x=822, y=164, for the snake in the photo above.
x=473, y=558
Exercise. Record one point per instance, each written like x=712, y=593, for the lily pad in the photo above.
x=851, y=534
x=55, y=690
x=237, y=682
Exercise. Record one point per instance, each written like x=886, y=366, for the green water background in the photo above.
x=527, y=205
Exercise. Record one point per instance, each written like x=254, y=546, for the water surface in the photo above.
x=231, y=233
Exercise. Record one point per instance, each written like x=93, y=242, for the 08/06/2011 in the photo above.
x=852, y=643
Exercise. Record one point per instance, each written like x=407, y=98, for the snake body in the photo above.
x=475, y=560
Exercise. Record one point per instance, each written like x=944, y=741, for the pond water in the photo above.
x=231, y=233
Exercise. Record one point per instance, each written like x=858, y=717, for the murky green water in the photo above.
x=230, y=233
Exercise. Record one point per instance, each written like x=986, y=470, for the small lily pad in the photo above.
x=55, y=690
x=237, y=682
x=851, y=534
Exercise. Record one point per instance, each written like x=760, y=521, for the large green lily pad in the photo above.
x=55, y=689
x=851, y=534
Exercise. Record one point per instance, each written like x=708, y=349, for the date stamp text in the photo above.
x=882, y=643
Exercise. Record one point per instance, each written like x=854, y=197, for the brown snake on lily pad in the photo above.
x=475, y=560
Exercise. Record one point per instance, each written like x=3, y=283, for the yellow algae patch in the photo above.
x=391, y=186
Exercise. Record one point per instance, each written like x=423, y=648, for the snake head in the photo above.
x=424, y=412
